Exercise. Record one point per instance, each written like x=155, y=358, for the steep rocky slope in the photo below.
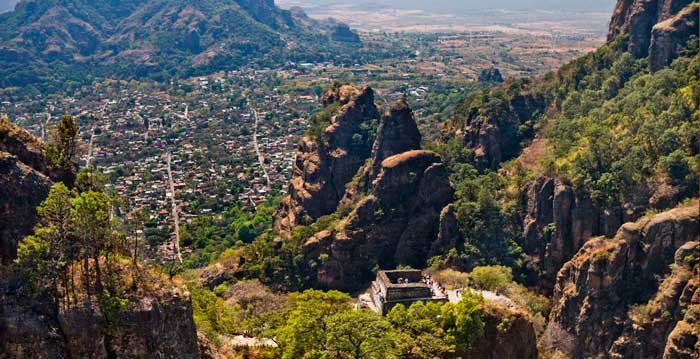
x=24, y=169
x=152, y=324
x=637, y=18
x=327, y=162
x=634, y=295
x=508, y=334
x=395, y=223
x=386, y=195
x=670, y=35
x=557, y=221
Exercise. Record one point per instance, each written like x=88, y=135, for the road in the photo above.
x=261, y=158
x=45, y=127
x=176, y=216
x=89, y=154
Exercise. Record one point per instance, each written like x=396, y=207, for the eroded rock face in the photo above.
x=609, y=298
x=18, y=212
x=151, y=327
x=490, y=75
x=492, y=132
x=395, y=223
x=342, y=33
x=637, y=18
x=514, y=340
x=557, y=222
x=668, y=326
x=397, y=133
x=670, y=35
x=325, y=165
x=25, y=179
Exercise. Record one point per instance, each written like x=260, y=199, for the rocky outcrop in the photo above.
x=18, y=212
x=637, y=18
x=449, y=235
x=508, y=334
x=25, y=170
x=151, y=326
x=556, y=223
x=668, y=36
x=395, y=223
x=604, y=298
x=326, y=164
x=493, y=127
x=392, y=194
x=397, y=133
x=490, y=75
x=668, y=326
x=342, y=33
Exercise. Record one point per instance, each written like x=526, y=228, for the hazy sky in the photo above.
x=466, y=5
x=6, y=5
x=442, y=6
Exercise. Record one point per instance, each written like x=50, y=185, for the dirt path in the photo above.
x=176, y=217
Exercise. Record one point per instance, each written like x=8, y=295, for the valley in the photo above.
x=238, y=179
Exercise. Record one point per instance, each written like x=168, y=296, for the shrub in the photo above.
x=492, y=278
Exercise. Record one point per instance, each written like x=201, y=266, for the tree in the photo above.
x=417, y=332
x=35, y=263
x=358, y=334
x=90, y=214
x=90, y=179
x=63, y=142
x=43, y=258
x=493, y=278
x=305, y=329
x=464, y=320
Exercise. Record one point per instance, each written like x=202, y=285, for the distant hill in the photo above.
x=462, y=6
x=161, y=38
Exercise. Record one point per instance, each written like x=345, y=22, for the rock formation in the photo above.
x=490, y=75
x=395, y=223
x=604, y=297
x=153, y=326
x=508, y=334
x=397, y=133
x=494, y=124
x=670, y=35
x=392, y=194
x=556, y=223
x=637, y=18
x=25, y=170
x=342, y=33
x=326, y=164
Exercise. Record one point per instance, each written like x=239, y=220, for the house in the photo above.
x=393, y=287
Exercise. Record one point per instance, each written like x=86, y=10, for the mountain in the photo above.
x=160, y=38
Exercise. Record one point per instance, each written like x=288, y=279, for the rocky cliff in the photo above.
x=395, y=223
x=508, y=334
x=670, y=35
x=151, y=326
x=397, y=133
x=327, y=162
x=634, y=295
x=387, y=198
x=25, y=170
x=637, y=19
x=557, y=221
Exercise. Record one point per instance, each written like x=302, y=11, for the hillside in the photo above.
x=72, y=39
